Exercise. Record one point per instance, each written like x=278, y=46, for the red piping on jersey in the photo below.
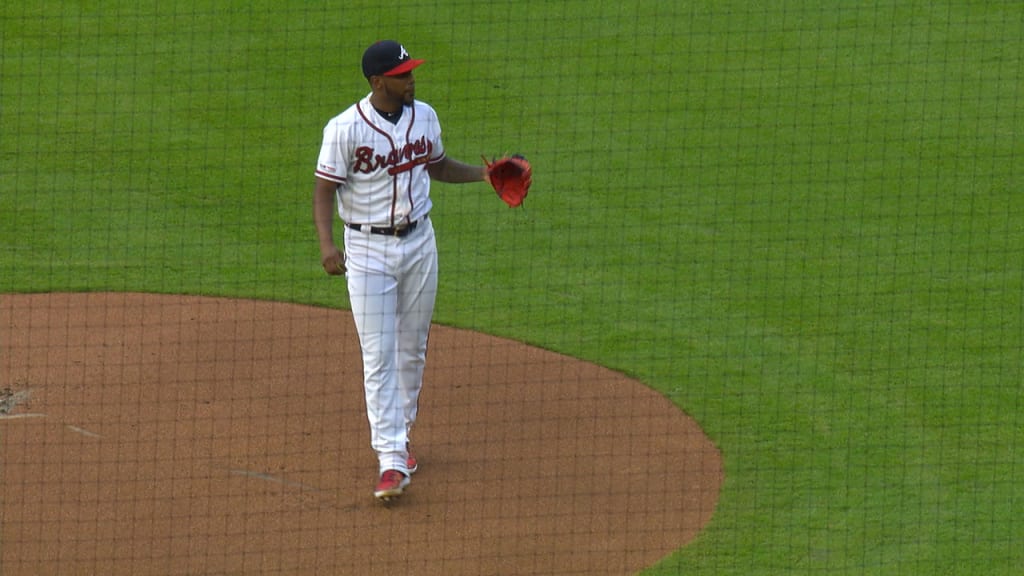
x=408, y=192
x=331, y=177
x=394, y=178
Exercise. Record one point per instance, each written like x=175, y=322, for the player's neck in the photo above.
x=386, y=105
x=392, y=117
x=390, y=111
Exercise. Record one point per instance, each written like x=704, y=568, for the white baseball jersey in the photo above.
x=381, y=167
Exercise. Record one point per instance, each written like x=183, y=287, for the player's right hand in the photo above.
x=333, y=261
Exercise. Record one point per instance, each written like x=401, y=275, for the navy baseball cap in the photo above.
x=387, y=58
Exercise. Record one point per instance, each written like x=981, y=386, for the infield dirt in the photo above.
x=153, y=434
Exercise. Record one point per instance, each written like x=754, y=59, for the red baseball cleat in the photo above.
x=392, y=484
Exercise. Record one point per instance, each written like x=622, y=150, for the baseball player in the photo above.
x=376, y=163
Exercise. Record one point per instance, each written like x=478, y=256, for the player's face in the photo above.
x=401, y=88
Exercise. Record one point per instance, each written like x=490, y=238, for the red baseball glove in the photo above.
x=511, y=177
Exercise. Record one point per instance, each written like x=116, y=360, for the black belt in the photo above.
x=397, y=232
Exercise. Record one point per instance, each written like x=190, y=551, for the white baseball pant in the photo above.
x=392, y=285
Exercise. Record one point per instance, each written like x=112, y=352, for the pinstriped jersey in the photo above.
x=380, y=167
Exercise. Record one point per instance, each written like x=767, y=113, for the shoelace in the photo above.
x=392, y=477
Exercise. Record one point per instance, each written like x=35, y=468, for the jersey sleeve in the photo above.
x=331, y=164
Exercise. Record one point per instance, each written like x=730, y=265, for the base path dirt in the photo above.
x=153, y=434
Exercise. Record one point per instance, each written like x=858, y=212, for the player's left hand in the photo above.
x=511, y=177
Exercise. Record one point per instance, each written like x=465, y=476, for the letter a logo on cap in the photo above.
x=403, y=55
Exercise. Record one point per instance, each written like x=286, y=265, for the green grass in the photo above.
x=801, y=221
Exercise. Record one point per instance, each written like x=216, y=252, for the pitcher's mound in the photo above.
x=149, y=434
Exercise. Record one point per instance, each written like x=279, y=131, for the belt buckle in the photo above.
x=399, y=231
